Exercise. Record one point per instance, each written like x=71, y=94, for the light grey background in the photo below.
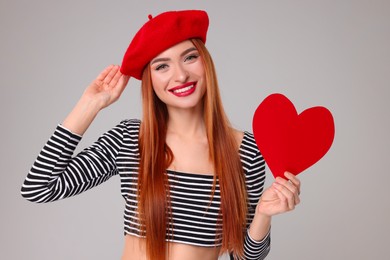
x=332, y=53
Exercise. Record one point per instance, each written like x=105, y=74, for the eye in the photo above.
x=161, y=67
x=191, y=57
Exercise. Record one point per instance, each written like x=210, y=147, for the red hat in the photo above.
x=160, y=33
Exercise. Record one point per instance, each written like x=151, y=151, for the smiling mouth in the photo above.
x=181, y=90
x=184, y=90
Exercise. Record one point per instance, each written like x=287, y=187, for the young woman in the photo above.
x=193, y=185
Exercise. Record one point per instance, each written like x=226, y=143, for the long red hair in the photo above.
x=156, y=156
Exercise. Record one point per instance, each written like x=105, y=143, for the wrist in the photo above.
x=261, y=217
x=82, y=115
x=261, y=210
x=89, y=105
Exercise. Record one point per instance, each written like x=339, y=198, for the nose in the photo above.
x=181, y=74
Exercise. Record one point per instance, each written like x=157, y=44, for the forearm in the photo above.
x=82, y=115
x=46, y=180
x=260, y=226
x=102, y=92
x=56, y=174
x=257, y=241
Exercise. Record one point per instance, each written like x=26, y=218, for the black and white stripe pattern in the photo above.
x=56, y=175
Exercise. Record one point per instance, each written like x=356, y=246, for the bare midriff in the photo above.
x=135, y=250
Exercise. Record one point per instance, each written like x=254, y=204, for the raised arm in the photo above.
x=56, y=174
x=102, y=92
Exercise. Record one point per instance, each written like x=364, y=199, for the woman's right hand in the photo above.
x=102, y=92
x=107, y=87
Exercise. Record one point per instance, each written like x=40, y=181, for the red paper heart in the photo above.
x=288, y=141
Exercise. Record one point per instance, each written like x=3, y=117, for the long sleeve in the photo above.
x=256, y=249
x=254, y=169
x=55, y=174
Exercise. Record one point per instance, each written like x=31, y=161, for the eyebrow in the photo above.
x=167, y=59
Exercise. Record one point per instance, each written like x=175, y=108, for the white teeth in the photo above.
x=181, y=90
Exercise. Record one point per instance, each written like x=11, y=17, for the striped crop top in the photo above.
x=56, y=174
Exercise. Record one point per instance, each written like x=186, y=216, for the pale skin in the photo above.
x=186, y=137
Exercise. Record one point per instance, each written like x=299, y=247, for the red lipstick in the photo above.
x=184, y=90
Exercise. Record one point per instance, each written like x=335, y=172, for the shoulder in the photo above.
x=238, y=135
x=246, y=142
x=250, y=154
x=127, y=127
x=130, y=123
x=247, y=145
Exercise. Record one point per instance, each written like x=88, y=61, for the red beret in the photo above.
x=160, y=33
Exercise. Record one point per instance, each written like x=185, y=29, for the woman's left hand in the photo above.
x=282, y=196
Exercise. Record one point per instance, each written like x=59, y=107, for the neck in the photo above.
x=186, y=122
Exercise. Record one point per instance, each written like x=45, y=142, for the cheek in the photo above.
x=159, y=81
x=201, y=75
x=199, y=71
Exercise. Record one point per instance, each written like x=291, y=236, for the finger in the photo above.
x=287, y=194
x=291, y=188
x=116, y=78
x=121, y=85
x=294, y=179
x=292, y=182
x=111, y=75
x=125, y=79
x=104, y=73
x=283, y=199
x=288, y=184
